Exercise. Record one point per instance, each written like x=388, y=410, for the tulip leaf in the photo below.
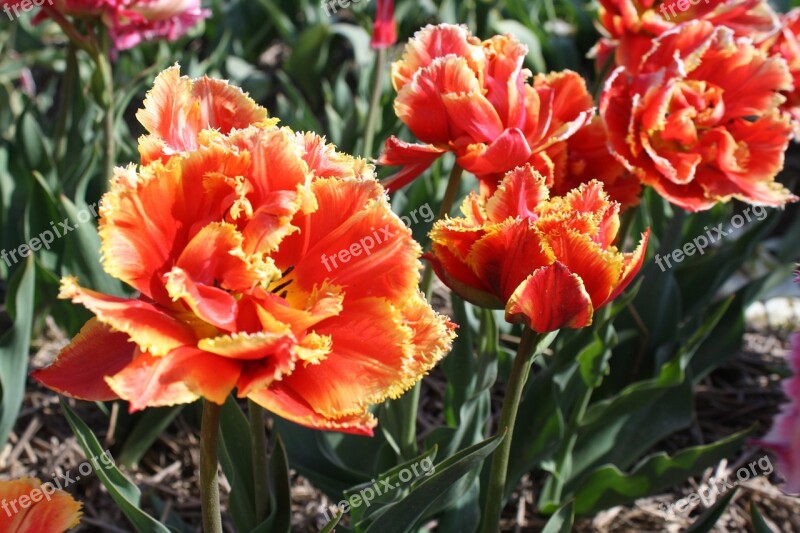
x=15, y=345
x=759, y=524
x=121, y=489
x=562, y=520
x=329, y=527
x=236, y=459
x=280, y=496
x=148, y=428
x=706, y=522
x=608, y=486
x=401, y=516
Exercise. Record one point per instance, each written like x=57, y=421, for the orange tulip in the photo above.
x=27, y=506
x=585, y=156
x=458, y=94
x=699, y=120
x=265, y=261
x=549, y=263
x=629, y=26
x=786, y=44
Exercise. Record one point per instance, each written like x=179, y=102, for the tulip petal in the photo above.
x=56, y=513
x=549, y=299
x=213, y=305
x=518, y=195
x=180, y=377
x=423, y=105
x=79, y=372
x=147, y=325
x=177, y=109
x=436, y=41
x=414, y=158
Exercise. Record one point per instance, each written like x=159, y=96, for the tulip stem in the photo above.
x=408, y=444
x=374, y=104
x=209, y=482
x=109, y=148
x=450, y=193
x=258, y=443
x=499, y=469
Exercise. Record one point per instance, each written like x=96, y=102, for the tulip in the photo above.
x=549, y=262
x=265, y=261
x=699, y=120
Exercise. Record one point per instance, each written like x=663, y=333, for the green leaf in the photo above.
x=236, y=459
x=122, y=490
x=561, y=521
x=329, y=527
x=148, y=428
x=608, y=486
x=759, y=524
x=280, y=493
x=15, y=345
x=401, y=516
x=705, y=523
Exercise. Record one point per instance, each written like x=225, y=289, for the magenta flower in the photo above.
x=784, y=437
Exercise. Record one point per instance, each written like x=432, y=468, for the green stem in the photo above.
x=499, y=469
x=453, y=186
x=101, y=58
x=209, y=482
x=258, y=444
x=374, y=104
x=65, y=102
x=408, y=443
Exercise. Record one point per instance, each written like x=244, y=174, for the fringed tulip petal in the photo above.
x=56, y=512
x=79, y=372
x=152, y=328
x=549, y=299
x=182, y=376
x=267, y=262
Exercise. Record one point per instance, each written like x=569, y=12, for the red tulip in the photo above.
x=699, y=120
x=26, y=506
x=384, y=32
x=472, y=98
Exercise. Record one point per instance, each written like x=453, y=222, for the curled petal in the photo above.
x=149, y=326
x=79, y=372
x=414, y=158
x=53, y=511
x=549, y=299
x=182, y=376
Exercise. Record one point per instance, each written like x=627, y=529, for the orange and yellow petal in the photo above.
x=437, y=41
x=180, y=377
x=150, y=327
x=177, y=109
x=551, y=298
x=79, y=372
x=48, y=510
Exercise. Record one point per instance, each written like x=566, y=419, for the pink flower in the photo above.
x=131, y=22
x=784, y=437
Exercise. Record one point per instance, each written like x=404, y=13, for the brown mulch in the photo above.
x=739, y=395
